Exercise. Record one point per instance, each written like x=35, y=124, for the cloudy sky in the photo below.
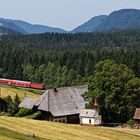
x=66, y=14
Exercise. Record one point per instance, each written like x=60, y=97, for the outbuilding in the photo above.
x=91, y=116
x=137, y=115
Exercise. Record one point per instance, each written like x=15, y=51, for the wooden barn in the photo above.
x=3, y=105
x=137, y=115
x=59, y=105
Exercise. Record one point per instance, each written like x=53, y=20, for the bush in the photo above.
x=24, y=112
x=131, y=122
x=12, y=105
x=38, y=116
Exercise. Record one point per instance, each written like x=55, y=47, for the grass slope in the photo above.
x=58, y=131
x=6, y=90
x=6, y=134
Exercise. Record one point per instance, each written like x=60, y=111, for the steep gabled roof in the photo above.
x=137, y=114
x=27, y=103
x=43, y=102
x=64, y=101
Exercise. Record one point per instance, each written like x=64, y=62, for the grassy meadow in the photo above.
x=12, y=128
x=6, y=134
x=58, y=131
x=7, y=90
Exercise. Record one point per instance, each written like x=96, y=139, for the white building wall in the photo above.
x=87, y=121
x=94, y=121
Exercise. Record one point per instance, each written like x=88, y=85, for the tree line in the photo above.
x=66, y=59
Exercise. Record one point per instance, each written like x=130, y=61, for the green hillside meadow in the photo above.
x=21, y=128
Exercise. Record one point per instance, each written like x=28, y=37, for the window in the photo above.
x=76, y=107
x=90, y=121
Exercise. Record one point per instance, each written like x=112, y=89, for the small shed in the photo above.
x=3, y=105
x=137, y=115
x=91, y=116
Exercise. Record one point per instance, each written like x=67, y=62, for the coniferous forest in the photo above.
x=66, y=59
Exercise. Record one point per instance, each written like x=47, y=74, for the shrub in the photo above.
x=131, y=122
x=24, y=112
x=38, y=116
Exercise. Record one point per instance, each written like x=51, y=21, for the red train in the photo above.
x=21, y=83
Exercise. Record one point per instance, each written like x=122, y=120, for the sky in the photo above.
x=66, y=14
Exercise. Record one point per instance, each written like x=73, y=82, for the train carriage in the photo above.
x=19, y=83
x=37, y=86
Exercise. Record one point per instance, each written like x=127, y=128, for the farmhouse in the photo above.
x=137, y=115
x=3, y=105
x=90, y=116
x=59, y=105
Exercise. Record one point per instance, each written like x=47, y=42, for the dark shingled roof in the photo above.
x=137, y=114
x=64, y=101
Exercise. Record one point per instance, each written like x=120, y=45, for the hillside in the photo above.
x=91, y=25
x=121, y=19
x=6, y=134
x=6, y=24
x=27, y=28
x=35, y=29
x=6, y=90
x=5, y=31
x=58, y=131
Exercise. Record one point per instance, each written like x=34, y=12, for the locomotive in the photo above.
x=19, y=83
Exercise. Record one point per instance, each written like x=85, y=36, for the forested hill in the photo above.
x=27, y=28
x=56, y=41
x=5, y=30
x=121, y=19
x=66, y=59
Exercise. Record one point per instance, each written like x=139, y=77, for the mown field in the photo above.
x=20, y=128
x=7, y=90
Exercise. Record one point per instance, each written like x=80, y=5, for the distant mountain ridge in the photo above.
x=27, y=28
x=5, y=30
x=91, y=25
x=4, y=23
x=121, y=19
x=117, y=20
x=35, y=29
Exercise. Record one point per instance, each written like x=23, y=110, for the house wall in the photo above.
x=71, y=119
x=137, y=121
x=93, y=121
x=61, y=119
x=87, y=121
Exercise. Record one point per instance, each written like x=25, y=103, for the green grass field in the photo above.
x=57, y=131
x=6, y=134
x=19, y=128
x=7, y=90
